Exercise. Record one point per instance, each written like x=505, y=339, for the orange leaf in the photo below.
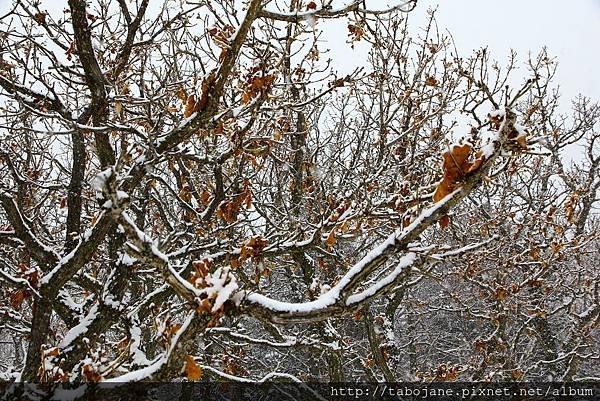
x=89, y=374
x=479, y=159
x=196, y=279
x=171, y=330
x=16, y=299
x=458, y=163
x=33, y=278
x=202, y=266
x=431, y=81
x=207, y=84
x=444, y=221
x=215, y=318
x=455, y=161
x=500, y=294
x=252, y=248
x=192, y=370
x=190, y=106
x=444, y=188
x=205, y=306
x=182, y=95
x=205, y=197
x=52, y=352
x=220, y=128
x=331, y=238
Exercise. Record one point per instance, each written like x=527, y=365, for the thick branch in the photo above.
x=94, y=78
x=328, y=12
x=41, y=253
x=339, y=299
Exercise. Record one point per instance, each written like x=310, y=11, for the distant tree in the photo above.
x=185, y=185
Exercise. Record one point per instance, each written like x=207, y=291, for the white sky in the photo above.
x=570, y=29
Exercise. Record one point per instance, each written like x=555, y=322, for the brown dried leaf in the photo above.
x=444, y=188
x=190, y=106
x=570, y=205
x=356, y=33
x=444, y=221
x=182, y=95
x=431, y=81
x=17, y=298
x=192, y=370
x=89, y=374
x=40, y=18
x=331, y=241
x=517, y=374
x=252, y=248
x=71, y=50
x=500, y=294
x=458, y=163
x=123, y=344
x=52, y=352
x=185, y=193
x=522, y=141
x=205, y=197
x=205, y=306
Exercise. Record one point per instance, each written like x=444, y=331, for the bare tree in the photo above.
x=184, y=186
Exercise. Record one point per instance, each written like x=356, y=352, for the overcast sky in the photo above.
x=569, y=29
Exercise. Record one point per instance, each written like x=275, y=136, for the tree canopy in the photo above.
x=191, y=190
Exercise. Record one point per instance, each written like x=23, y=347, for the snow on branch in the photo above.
x=313, y=12
x=405, y=262
x=339, y=296
x=269, y=377
x=80, y=329
x=220, y=286
x=455, y=187
x=42, y=253
x=148, y=371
